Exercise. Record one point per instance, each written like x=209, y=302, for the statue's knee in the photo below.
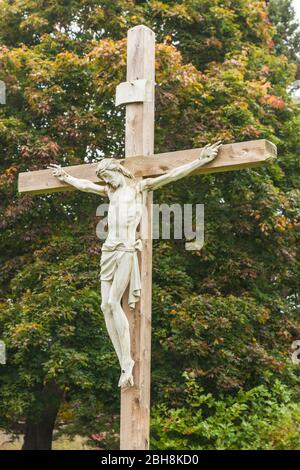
x=113, y=305
x=105, y=307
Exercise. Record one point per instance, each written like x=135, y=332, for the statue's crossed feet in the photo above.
x=126, y=377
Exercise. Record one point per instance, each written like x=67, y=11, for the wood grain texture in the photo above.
x=139, y=140
x=231, y=157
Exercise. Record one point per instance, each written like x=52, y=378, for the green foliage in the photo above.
x=260, y=418
x=287, y=36
x=230, y=342
x=54, y=331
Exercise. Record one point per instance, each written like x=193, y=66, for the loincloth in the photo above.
x=112, y=253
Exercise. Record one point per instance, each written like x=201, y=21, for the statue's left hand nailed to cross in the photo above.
x=119, y=261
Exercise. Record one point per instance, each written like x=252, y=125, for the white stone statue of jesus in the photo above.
x=119, y=260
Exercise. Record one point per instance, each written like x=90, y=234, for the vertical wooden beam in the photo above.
x=135, y=401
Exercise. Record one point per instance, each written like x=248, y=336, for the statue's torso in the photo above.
x=124, y=213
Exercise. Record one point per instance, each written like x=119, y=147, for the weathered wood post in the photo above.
x=135, y=401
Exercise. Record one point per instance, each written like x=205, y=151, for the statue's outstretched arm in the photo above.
x=207, y=154
x=81, y=184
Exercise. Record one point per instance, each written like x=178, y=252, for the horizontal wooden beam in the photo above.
x=231, y=157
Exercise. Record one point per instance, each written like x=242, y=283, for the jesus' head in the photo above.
x=112, y=172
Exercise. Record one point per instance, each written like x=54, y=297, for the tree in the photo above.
x=227, y=315
x=287, y=36
x=56, y=340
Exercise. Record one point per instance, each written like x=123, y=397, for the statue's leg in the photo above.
x=109, y=320
x=119, y=284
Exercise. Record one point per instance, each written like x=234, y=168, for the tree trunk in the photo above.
x=39, y=429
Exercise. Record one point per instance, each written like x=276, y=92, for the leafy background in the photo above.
x=224, y=318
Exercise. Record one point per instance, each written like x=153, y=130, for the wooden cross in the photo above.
x=2, y=92
x=138, y=95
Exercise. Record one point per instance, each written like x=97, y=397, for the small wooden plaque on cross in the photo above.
x=138, y=96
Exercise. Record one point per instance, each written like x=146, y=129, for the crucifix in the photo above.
x=126, y=262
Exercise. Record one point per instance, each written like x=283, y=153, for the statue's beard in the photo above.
x=113, y=184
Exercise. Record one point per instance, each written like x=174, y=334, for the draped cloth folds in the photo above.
x=112, y=253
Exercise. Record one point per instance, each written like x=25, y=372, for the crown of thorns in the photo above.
x=112, y=165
